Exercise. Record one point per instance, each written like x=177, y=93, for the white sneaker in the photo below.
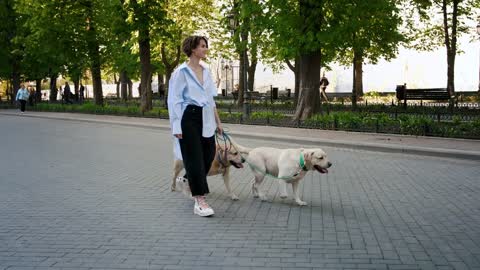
x=202, y=208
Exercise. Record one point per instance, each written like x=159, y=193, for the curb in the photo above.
x=376, y=147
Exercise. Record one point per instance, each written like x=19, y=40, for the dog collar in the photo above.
x=302, y=162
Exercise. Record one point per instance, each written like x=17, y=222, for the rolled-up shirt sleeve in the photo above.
x=176, y=88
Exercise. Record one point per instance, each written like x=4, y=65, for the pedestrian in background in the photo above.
x=81, y=92
x=194, y=119
x=22, y=97
x=323, y=86
x=67, y=93
x=31, y=97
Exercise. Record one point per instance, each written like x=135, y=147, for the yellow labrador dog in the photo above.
x=289, y=165
x=221, y=164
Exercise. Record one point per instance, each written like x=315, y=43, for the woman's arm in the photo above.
x=175, y=99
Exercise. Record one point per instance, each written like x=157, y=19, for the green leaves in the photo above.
x=425, y=25
x=368, y=27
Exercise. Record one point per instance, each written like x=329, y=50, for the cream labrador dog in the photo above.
x=289, y=165
x=221, y=164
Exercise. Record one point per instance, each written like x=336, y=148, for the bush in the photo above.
x=362, y=120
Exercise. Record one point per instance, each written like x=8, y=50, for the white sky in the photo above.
x=416, y=69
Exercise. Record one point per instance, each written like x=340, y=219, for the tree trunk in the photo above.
x=294, y=68
x=15, y=82
x=53, y=87
x=168, y=75
x=169, y=67
x=451, y=44
x=93, y=50
x=357, y=63
x=76, y=83
x=161, y=85
x=252, y=67
x=117, y=83
x=38, y=90
x=124, y=83
x=9, y=90
x=146, y=71
x=451, y=73
x=309, y=77
x=130, y=88
x=243, y=60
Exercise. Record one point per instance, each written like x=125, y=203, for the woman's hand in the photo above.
x=179, y=136
x=219, y=130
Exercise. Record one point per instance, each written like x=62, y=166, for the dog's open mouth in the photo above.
x=320, y=169
x=236, y=165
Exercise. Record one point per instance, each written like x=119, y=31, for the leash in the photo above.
x=225, y=138
x=227, y=145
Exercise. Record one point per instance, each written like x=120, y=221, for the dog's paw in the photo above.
x=234, y=197
x=172, y=188
x=283, y=196
x=301, y=203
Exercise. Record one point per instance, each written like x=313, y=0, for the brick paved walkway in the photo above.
x=79, y=195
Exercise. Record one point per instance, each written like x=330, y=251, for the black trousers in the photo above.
x=22, y=104
x=197, y=152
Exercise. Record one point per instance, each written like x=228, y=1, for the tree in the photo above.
x=146, y=17
x=440, y=29
x=310, y=25
x=367, y=30
x=120, y=57
x=184, y=18
x=11, y=50
x=60, y=35
x=282, y=34
x=299, y=33
x=248, y=39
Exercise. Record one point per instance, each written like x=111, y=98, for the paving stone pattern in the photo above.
x=79, y=195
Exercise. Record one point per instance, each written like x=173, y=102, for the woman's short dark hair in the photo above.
x=192, y=42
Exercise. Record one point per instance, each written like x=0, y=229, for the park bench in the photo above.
x=421, y=94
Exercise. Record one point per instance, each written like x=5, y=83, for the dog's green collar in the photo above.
x=302, y=162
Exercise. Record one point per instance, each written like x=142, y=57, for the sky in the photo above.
x=416, y=69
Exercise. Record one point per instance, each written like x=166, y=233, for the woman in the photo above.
x=194, y=119
x=22, y=97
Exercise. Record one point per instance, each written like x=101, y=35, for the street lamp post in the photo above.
x=246, y=105
x=478, y=32
x=227, y=67
x=231, y=68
